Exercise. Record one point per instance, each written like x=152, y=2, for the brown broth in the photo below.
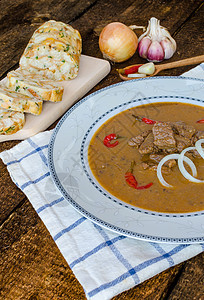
x=109, y=165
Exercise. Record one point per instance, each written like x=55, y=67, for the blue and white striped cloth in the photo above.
x=104, y=262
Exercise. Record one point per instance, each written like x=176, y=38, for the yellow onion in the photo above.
x=117, y=42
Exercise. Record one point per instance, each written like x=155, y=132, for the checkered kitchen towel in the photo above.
x=104, y=262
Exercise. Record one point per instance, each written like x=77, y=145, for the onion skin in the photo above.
x=117, y=42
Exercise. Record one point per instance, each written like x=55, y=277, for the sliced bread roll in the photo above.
x=29, y=84
x=15, y=101
x=11, y=121
x=53, y=51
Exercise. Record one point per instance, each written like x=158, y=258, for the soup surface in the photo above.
x=110, y=164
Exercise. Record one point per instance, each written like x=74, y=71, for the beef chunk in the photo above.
x=194, y=153
x=163, y=135
x=170, y=150
x=170, y=163
x=182, y=142
x=156, y=158
x=145, y=166
x=148, y=145
x=198, y=136
x=184, y=130
x=149, y=165
x=153, y=166
x=136, y=141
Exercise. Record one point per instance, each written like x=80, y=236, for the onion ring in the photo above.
x=182, y=169
x=199, y=148
x=173, y=156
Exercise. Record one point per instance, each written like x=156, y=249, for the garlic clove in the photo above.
x=143, y=46
x=168, y=48
x=147, y=69
x=155, y=52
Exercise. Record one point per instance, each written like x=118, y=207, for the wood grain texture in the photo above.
x=31, y=265
x=19, y=19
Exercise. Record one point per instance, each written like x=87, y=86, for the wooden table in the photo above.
x=31, y=265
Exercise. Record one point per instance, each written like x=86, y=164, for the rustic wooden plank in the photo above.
x=10, y=198
x=189, y=39
x=139, y=12
x=32, y=267
x=19, y=19
x=191, y=282
x=18, y=224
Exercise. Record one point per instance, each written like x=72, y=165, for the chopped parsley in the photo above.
x=67, y=48
x=17, y=88
x=10, y=129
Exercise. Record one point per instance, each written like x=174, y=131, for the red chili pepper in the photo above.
x=129, y=70
x=131, y=180
x=200, y=121
x=108, y=139
x=144, y=187
x=148, y=121
x=145, y=120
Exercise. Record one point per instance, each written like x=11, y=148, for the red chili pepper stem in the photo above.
x=200, y=121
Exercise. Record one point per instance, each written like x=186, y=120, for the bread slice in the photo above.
x=53, y=51
x=29, y=84
x=11, y=121
x=15, y=101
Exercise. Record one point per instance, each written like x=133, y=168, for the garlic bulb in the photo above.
x=156, y=43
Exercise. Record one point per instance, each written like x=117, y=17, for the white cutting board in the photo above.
x=91, y=71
